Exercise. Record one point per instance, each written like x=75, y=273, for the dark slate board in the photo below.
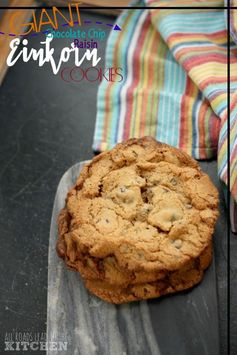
x=180, y=324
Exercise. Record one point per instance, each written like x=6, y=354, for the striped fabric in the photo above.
x=175, y=81
x=233, y=129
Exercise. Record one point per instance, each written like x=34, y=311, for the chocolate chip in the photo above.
x=100, y=265
x=144, y=197
x=173, y=181
x=100, y=188
x=145, y=291
x=134, y=153
x=140, y=255
x=123, y=189
x=173, y=218
x=178, y=243
x=188, y=206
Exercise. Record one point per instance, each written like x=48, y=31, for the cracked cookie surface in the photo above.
x=136, y=214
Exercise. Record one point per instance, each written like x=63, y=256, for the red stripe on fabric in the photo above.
x=193, y=35
x=184, y=109
x=214, y=129
x=233, y=154
x=234, y=189
x=206, y=51
x=224, y=176
x=213, y=80
x=194, y=61
x=201, y=128
x=233, y=101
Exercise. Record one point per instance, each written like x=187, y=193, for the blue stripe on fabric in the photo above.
x=191, y=44
x=168, y=29
x=170, y=98
x=195, y=112
x=179, y=89
x=195, y=18
x=177, y=23
x=214, y=88
x=163, y=106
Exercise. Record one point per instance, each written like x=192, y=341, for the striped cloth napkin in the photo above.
x=233, y=124
x=174, y=66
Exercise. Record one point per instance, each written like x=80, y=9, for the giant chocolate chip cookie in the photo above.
x=139, y=214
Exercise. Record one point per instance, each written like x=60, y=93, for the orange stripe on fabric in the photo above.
x=186, y=118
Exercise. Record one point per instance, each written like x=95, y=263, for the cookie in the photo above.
x=175, y=281
x=136, y=214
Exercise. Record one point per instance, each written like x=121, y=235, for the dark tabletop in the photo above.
x=46, y=125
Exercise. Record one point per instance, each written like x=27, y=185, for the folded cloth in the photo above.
x=233, y=126
x=174, y=85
